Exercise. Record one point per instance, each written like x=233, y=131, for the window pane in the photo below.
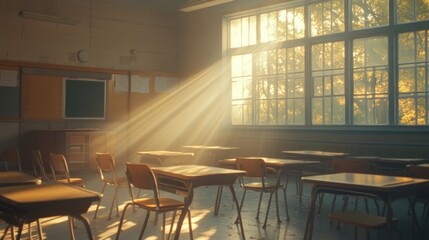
x=241, y=87
x=286, y=24
x=370, y=81
x=413, y=78
x=327, y=17
x=412, y=10
x=369, y=13
x=242, y=31
x=328, y=98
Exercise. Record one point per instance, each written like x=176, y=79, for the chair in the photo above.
x=60, y=170
x=353, y=165
x=256, y=179
x=12, y=159
x=419, y=171
x=141, y=176
x=106, y=166
x=38, y=165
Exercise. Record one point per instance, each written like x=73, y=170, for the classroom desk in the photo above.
x=396, y=166
x=27, y=203
x=13, y=178
x=324, y=157
x=386, y=188
x=183, y=179
x=215, y=152
x=162, y=156
x=277, y=163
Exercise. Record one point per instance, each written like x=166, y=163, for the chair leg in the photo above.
x=191, y=234
x=114, y=200
x=287, y=211
x=122, y=220
x=218, y=200
x=163, y=226
x=173, y=218
x=144, y=225
x=259, y=205
x=98, y=204
x=39, y=229
x=268, y=210
x=277, y=206
x=241, y=205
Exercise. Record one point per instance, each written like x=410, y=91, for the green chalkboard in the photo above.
x=9, y=102
x=84, y=99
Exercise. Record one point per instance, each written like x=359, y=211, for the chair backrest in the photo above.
x=106, y=165
x=352, y=165
x=141, y=176
x=254, y=167
x=59, y=166
x=38, y=166
x=11, y=158
x=418, y=171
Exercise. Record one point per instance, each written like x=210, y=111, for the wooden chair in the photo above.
x=60, y=170
x=12, y=159
x=256, y=179
x=38, y=165
x=141, y=176
x=106, y=167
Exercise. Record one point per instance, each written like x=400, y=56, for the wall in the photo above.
x=127, y=36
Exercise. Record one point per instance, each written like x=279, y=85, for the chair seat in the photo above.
x=258, y=186
x=360, y=219
x=164, y=203
x=121, y=181
x=74, y=181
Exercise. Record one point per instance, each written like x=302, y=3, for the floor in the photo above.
x=207, y=226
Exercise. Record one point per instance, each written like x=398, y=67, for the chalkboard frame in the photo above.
x=84, y=99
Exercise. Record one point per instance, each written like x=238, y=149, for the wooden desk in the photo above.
x=162, y=156
x=183, y=179
x=386, y=188
x=277, y=163
x=12, y=178
x=396, y=166
x=324, y=157
x=27, y=203
x=215, y=152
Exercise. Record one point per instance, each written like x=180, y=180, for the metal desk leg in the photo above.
x=309, y=226
x=188, y=201
x=234, y=197
x=218, y=200
x=85, y=222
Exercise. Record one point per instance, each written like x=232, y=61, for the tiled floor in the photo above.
x=207, y=226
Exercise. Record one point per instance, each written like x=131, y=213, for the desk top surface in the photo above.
x=364, y=181
x=401, y=160
x=196, y=172
x=311, y=153
x=164, y=154
x=211, y=148
x=27, y=195
x=14, y=178
x=278, y=162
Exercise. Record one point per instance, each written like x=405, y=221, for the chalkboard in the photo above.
x=84, y=99
x=9, y=102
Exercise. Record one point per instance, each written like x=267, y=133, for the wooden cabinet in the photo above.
x=78, y=146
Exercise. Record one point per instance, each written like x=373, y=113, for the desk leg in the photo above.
x=234, y=197
x=310, y=220
x=85, y=222
x=389, y=216
x=218, y=200
x=188, y=201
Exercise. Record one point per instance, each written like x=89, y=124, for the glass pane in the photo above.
x=327, y=17
x=369, y=13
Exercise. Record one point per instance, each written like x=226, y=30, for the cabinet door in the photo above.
x=41, y=97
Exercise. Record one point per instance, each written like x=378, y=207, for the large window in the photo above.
x=331, y=62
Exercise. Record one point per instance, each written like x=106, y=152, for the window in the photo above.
x=330, y=62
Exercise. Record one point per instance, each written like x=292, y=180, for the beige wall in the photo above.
x=123, y=34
